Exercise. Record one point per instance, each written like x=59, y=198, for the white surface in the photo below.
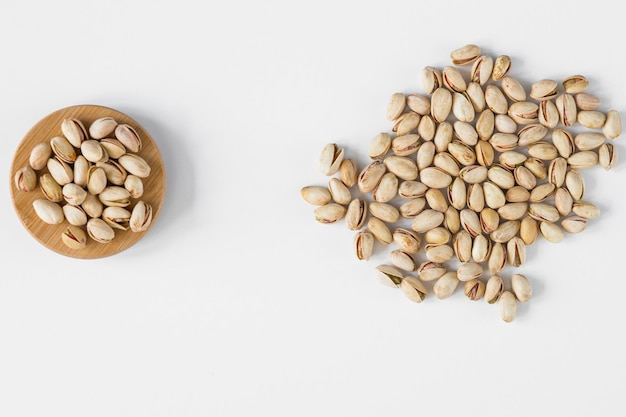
x=237, y=302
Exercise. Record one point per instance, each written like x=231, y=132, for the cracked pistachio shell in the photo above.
x=543, y=212
x=465, y=55
x=447, y=163
x=505, y=231
x=453, y=79
x=511, y=159
x=494, y=289
x=348, y=172
x=446, y=285
x=313, y=194
x=407, y=240
x=583, y=159
x=74, y=237
x=462, y=153
x=63, y=149
x=431, y=79
x=97, y=180
x=566, y=105
x=470, y=221
x=503, y=123
x=557, y=171
x=427, y=128
x=75, y=215
x=134, y=185
x=389, y=275
x=607, y=156
x=481, y=248
x=100, y=231
x=411, y=189
x=435, y=177
x=117, y=217
x=25, y=179
x=140, y=217
x=60, y=170
x=531, y=133
x=473, y=174
x=404, y=145
x=521, y=288
x=114, y=195
x=380, y=230
x=93, y=151
x=512, y=88
x=425, y=155
x=136, y=165
x=74, y=130
x=563, y=201
x=430, y=271
x=474, y=289
x=426, y=220
x=356, y=214
x=563, y=141
x=50, y=188
x=476, y=96
x=575, y=184
x=438, y=253
x=403, y=260
x=591, y=119
x=489, y=220
x=327, y=213
x=379, y=145
x=81, y=170
x=329, y=160
x=363, y=245
x=503, y=142
x=462, y=245
x=552, y=232
x=469, y=270
x=575, y=84
x=545, y=89
x=586, y=209
x=462, y=107
x=419, y=104
x=92, y=205
x=501, y=67
x=39, y=156
x=441, y=104
x=529, y=229
x=129, y=137
x=475, y=197
x=516, y=251
x=548, y=114
x=497, y=258
x=395, y=106
x=384, y=211
x=410, y=209
x=524, y=112
x=586, y=101
x=612, y=127
x=495, y=99
x=370, y=175
x=484, y=153
x=74, y=194
x=48, y=211
x=438, y=236
x=542, y=192
x=443, y=136
x=102, y=127
x=481, y=70
x=113, y=147
x=339, y=192
x=508, y=306
x=587, y=141
x=517, y=194
x=436, y=200
x=413, y=288
x=407, y=122
x=574, y=224
x=537, y=167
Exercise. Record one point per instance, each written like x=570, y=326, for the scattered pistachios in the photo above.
x=473, y=171
x=93, y=179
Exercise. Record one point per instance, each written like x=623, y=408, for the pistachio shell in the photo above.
x=74, y=237
x=102, y=127
x=100, y=231
x=129, y=137
x=141, y=217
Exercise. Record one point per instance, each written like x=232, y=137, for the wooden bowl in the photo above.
x=50, y=235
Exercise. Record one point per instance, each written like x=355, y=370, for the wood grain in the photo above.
x=50, y=235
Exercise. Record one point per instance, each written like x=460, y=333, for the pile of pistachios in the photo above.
x=91, y=178
x=473, y=170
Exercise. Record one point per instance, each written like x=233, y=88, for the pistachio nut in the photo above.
x=545, y=89
x=380, y=230
x=503, y=142
x=99, y=230
x=140, y=217
x=326, y=214
x=425, y=155
x=404, y=145
x=552, y=232
x=586, y=209
x=529, y=229
x=427, y=128
x=494, y=289
x=452, y=220
x=363, y=245
x=473, y=174
x=447, y=163
x=436, y=200
x=97, y=180
x=575, y=84
x=92, y=205
x=537, y=167
x=586, y=101
x=39, y=156
x=566, y=105
x=75, y=215
x=462, y=152
x=543, y=212
x=102, y=127
x=356, y=214
x=493, y=194
x=470, y=221
x=462, y=245
x=591, y=119
x=489, y=220
x=395, y=106
x=564, y=142
x=329, y=160
x=384, y=211
x=501, y=176
x=531, y=133
x=453, y=79
x=504, y=123
x=462, y=107
x=482, y=69
x=505, y=231
x=313, y=194
x=468, y=271
x=63, y=149
x=513, y=89
x=511, y=159
x=74, y=130
x=587, y=141
x=48, y=211
x=431, y=79
x=370, y=175
x=407, y=240
x=348, y=172
x=443, y=136
x=136, y=165
x=563, y=201
x=583, y=159
x=474, y=289
x=516, y=251
x=435, y=177
x=25, y=179
x=403, y=167
x=548, y=114
x=438, y=236
x=557, y=171
x=524, y=112
x=475, y=197
x=607, y=156
x=574, y=224
x=403, y=260
x=426, y=220
x=542, y=192
x=501, y=67
x=411, y=189
x=74, y=194
x=481, y=249
x=389, y=275
x=379, y=145
x=81, y=170
x=412, y=208
x=485, y=124
x=508, y=306
x=495, y=99
x=74, y=237
x=517, y=194
x=445, y=285
x=60, y=170
x=129, y=137
x=438, y=253
x=413, y=288
x=114, y=195
x=440, y=104
x=93, y=151
x=457, y=193
x=113, y=147
x=497, y=258
x=476, y=96
x=521, y=288
x=612, y=127
x=50, y=188
x=513, y=211
x=418, y=103
x=524, y=177
x=338, y=191
x=465, y=55
x=116, y=217
x=575, y=184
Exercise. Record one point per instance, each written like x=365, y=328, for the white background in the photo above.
x=237, y=303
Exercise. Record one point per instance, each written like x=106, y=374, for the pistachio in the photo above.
x=313, y=194
x=326, y=214
x=447, y=163
x=504, y=123
x=440, y=104
x=48, y=211
x=129, y=137
x=403, y=260
x=136, y=165
x=425, y=155
x=469, y=270
x=389, y=275
x=438, y=236
x=92, y=205
x=443, y=136
x=485, y=124
x=612, y=127
x=431, y=79
x=60, y=171
x=408, y=240
x=75, y=215
x=503, y=142
x=395, y=106
x=587, y=141
x=566, y=106
x=435, y=177
x=470, y=222
x=457, y=193
x=380, y=230
x=524, y=177
x=475, y=197
x=529, y=229
x=436, y=200
x=586, y=101
x=379, y=145
x=446, y=285
x=63, y=149
x=114, y=195
x=607, y=156
x=473, y=174
x=474, y=289
x=494, y=289
x=74, y=237
x=113, y=147
x=384, y=211
x=330, y=159
x=100, y=231
x=451, y=220
x=543, y=212
x=426, y=220
x=494, y=196
x=511, y=159
x=524, y=112
x=557, y=171
x=438, y=253
x=453, y=79
x=495, y=99
x=427, y=127
x=140, y=217
x=586, y=209
x=411, y=189
x=552, y=232
x=419, y=104
x=405, y=145
x=575, y=184
x=501, y=67
x=25, y=179
x=356, y=214
x=537, y=167
x=513, y=88
x=517, y=194
x=548, y=114
x=505, y=231
x=563, y=201
x=575, y=84
x=513, y=211
x=338, y=191
x=501, y=176
x=481, y=249
x=39, y=156
x=74, y=130
x=74, y=194
x=545, y=89
x=489, y=220
x=81, y=170
x=508, y=306
x=363, y=245
x=412, y=208
x=574, y=224
x=465, y=55
x=93, y=151
x=462, y=152
x=462, y=108
x=403, y=167
x=516, y=251
x=117, y=217
x=591, y=119
x=564, y=142
x=462, y=245
x=97, y=180
x=542, y=192
x=521, y=288
x=413, y=288
x=476, y=96
x=583, y=159
x=348, y=172
x=102, y=127
x=50, y=188
x=531, y=133
x=482, y=69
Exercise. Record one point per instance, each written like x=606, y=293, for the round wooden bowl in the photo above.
x=50, y=235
